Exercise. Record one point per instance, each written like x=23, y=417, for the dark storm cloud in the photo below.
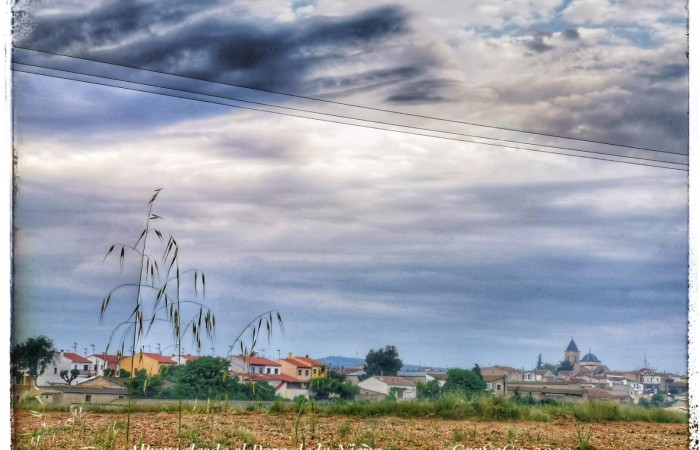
x=535, y=41
x=571, y=34
x=423, y=91
x=216, y=47
x=345, y=84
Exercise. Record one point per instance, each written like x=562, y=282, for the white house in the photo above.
x=402, y=388
x=64, y=361
x=285, y=386
x=254, y=364
x=101, y=362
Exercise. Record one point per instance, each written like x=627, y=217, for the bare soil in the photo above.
x=258, y=430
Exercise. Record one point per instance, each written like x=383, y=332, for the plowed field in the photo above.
x=262, y=430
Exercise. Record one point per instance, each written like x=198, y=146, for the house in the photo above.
x=355, y=376
x=511, y=373
x=542, y=391
x=379, y=386
x=285, y=386
x=182, y=359
x=64, y=361
x=254, y=364
x=153, y=363
x=294, y=368
x=318, y=369
x=495, y=383
x=67, y=394
x=102, y=362
x=609, y=396
x=441, y=377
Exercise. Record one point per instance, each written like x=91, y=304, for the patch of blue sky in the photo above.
x=637, y=36
x=489, y=31
x=297, y=4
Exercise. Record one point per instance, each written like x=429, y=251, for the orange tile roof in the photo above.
x=308, y=360
x=158, y=357
x=297, y=363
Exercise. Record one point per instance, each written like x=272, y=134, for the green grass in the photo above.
x=452, y=407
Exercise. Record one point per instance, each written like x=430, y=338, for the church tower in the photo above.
x=571, y=354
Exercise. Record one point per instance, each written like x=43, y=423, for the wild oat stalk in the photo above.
x=165, y=297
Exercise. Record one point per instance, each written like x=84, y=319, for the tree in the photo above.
x=32, y=355
x=477, y=370
x=551, y=367
x=428, y=390
x=565, y=365
x=539, y=362
x=69, y=376
x=333, y=386
x=383, y=361
x=466, y=381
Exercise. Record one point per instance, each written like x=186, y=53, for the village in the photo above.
x=96, y=379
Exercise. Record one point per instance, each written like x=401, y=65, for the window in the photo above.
x=277, y=371
x=55, y=370
x=306, y=372
x=314, y=371
x=85, y=367
x=88, y=397
x=299, y=372
x=498, y=387
x=267, y=370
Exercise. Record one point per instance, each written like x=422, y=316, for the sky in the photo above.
x=454, y=252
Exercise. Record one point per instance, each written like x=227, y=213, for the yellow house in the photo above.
x=152, y=362
x=318, y=369
x=303, y=367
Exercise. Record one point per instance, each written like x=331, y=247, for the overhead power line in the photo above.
x=287, y=94
x=339, y=122
x=160, y=86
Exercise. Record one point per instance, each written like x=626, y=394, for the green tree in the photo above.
x=565, y=365
x=539, y=362
x=69, y=376
x=384, y=361
x=32, y=356
x=428, y=390
x=466, y=381
x=477, y=370
x=551, y=367
x=333, y=386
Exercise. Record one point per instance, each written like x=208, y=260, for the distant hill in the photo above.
x=347, y=363
x=341, y=361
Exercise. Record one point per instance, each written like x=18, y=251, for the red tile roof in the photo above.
x=258, y=361
x=189, y=357
x=107, y=358
x=76, y=358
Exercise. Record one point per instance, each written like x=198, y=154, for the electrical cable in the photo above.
x=347, y=117
x=350, y=104
x=344, y=123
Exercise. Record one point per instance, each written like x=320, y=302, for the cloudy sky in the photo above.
x=455, y=252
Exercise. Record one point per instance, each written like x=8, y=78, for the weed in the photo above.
x=582, y=437
x=457, y=436
x=512, y=432
x=106, y=440
x=344, y=430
